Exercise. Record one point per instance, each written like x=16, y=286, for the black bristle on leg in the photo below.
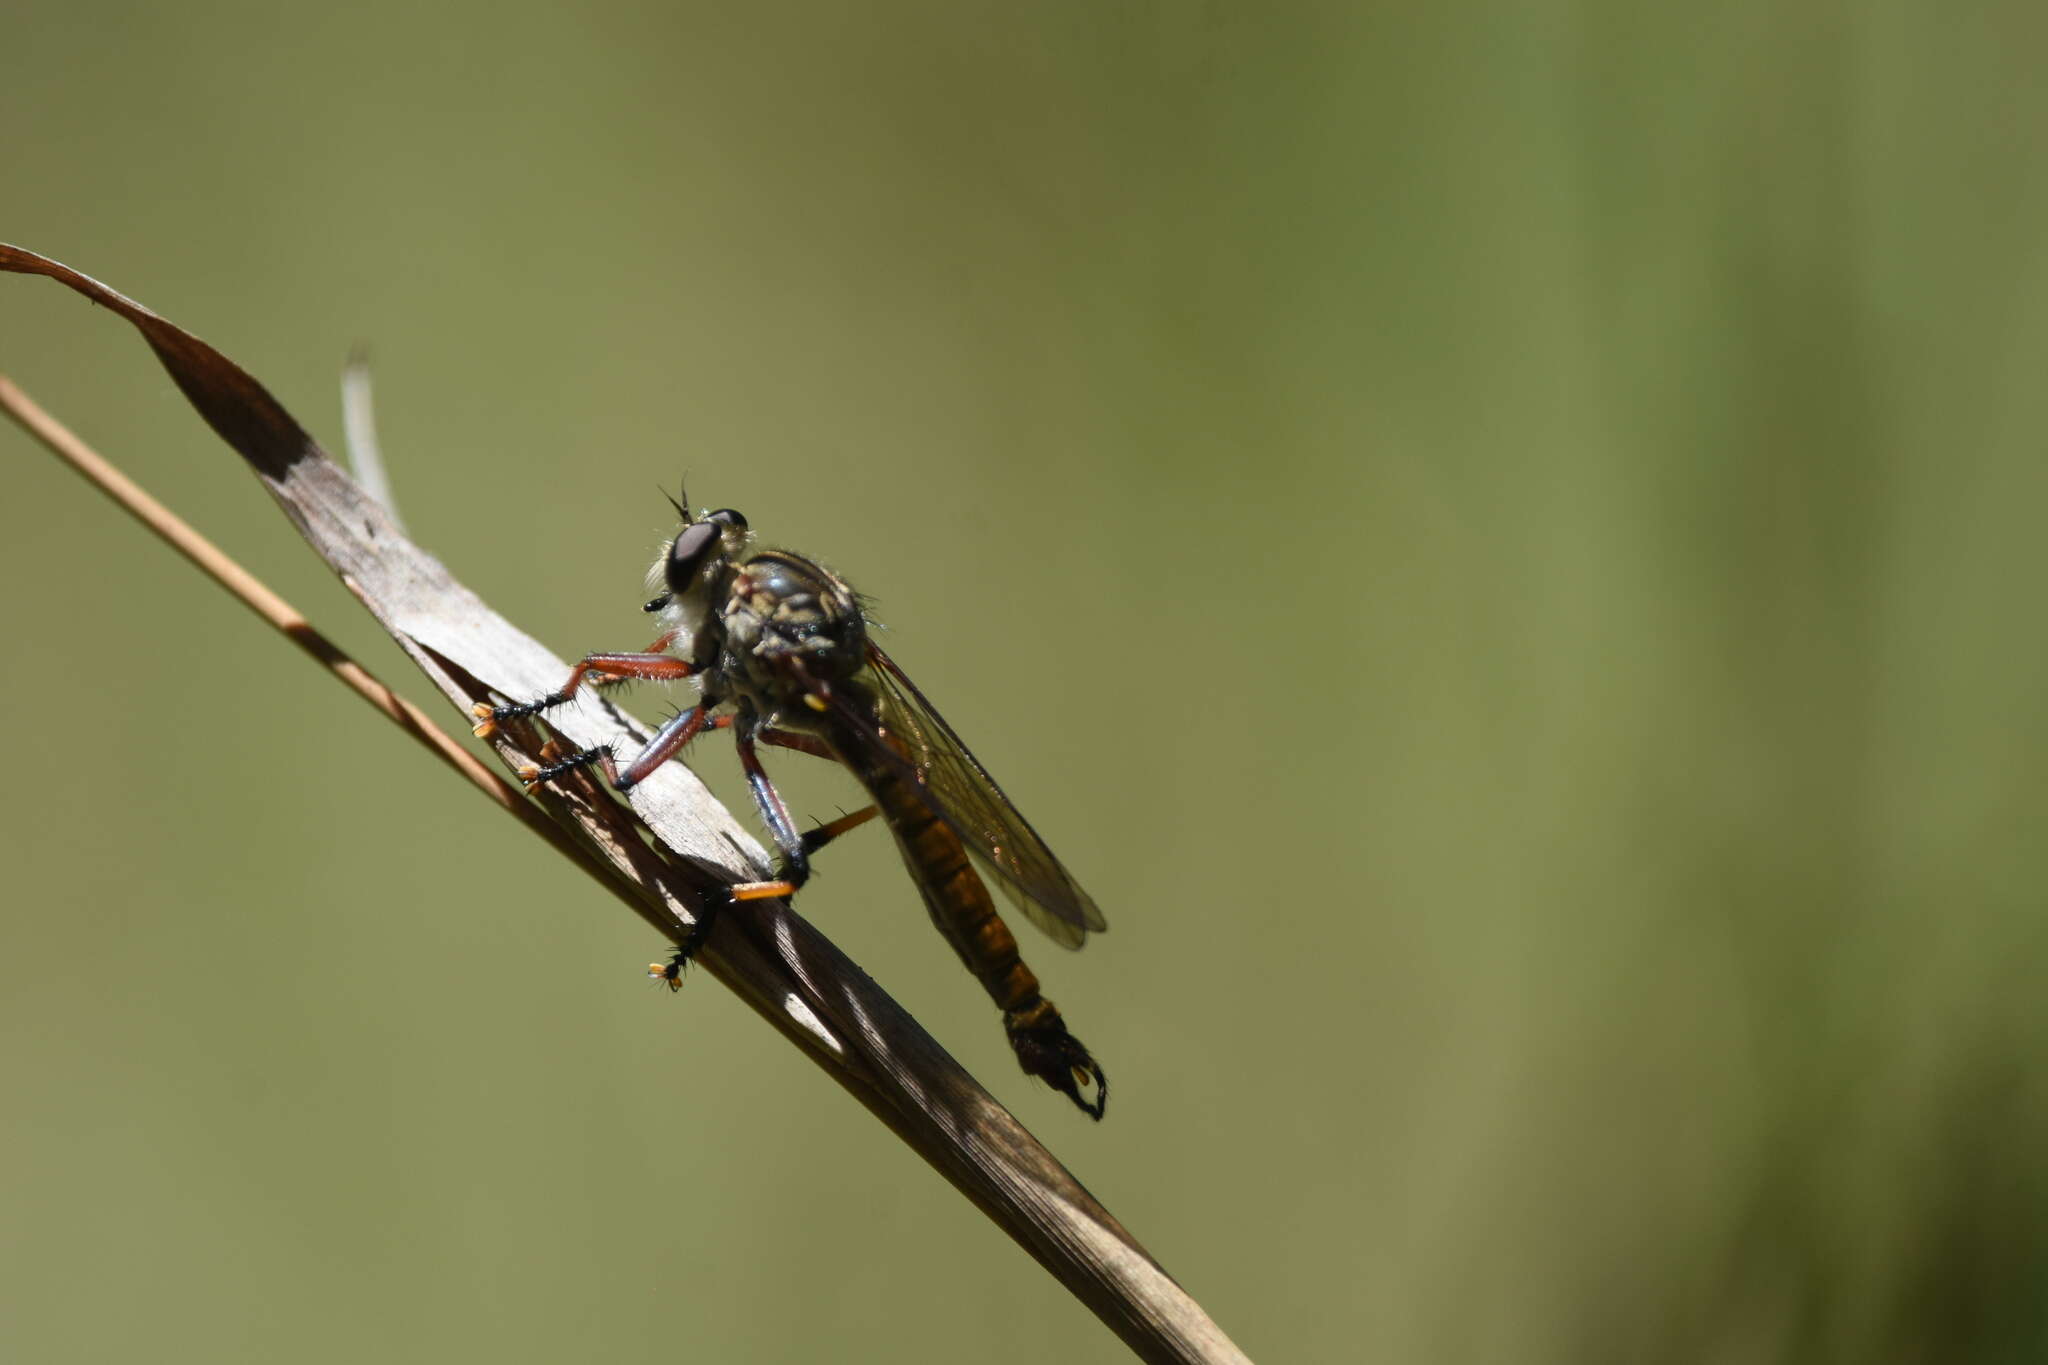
x=582, y=759
x=520, y=710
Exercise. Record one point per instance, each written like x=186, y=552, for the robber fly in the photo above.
x=782, y=650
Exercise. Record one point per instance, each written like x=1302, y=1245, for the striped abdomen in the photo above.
x=960, y=906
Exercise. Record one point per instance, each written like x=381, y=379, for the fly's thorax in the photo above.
x=787, y=622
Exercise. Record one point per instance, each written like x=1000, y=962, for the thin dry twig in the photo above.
x=781, y=966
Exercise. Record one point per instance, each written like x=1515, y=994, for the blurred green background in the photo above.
x=1500, y=541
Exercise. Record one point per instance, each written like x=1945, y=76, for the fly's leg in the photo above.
x=670, y=973
x=796, y=859
x=815, y=839
x=812, y=839
x=649, y=665
x=626, y=667
x=533, y=776
x=790, y=739
x=560, y=763
x=670, y=740
x=796, y=848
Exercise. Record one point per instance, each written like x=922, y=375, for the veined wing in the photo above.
x=959, y=790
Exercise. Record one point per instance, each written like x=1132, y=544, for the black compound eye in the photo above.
x=725, y=516
x=686, y=555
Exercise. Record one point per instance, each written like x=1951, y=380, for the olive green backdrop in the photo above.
x=1502, y=542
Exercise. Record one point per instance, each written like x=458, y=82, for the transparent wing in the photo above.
x=960, y=792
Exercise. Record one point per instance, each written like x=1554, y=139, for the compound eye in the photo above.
x=725, y=516
x=686, y=555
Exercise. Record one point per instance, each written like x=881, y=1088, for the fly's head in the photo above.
x=693, y=569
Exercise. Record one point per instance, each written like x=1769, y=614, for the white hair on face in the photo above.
x=657, y=575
